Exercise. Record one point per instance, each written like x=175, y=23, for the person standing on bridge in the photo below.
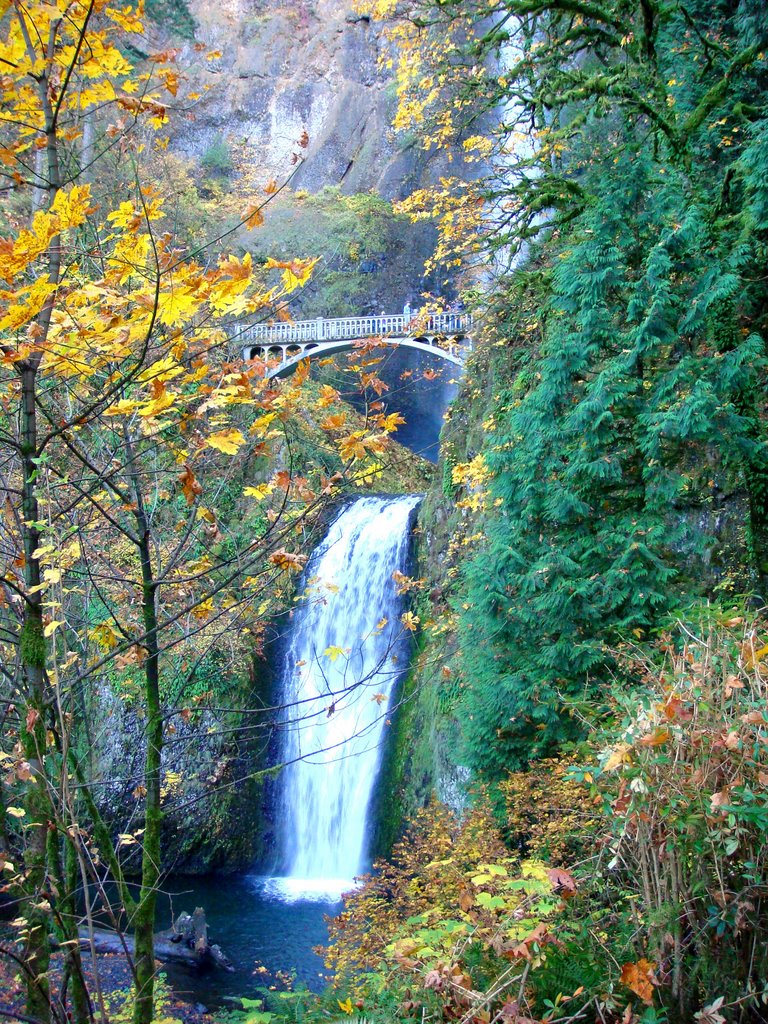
x=407, y=313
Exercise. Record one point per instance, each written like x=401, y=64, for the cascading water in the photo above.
x=347, y=649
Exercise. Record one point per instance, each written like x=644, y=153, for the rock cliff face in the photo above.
x=305, y=67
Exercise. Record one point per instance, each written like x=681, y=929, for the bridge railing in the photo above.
x=351, y=327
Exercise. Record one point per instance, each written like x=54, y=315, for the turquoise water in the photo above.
x=253, y=928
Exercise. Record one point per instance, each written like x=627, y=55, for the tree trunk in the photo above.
x=144, y=918
x=33, y=731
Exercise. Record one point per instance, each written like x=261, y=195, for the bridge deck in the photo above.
x=353, y=327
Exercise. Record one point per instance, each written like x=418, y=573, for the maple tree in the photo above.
x=118, y=398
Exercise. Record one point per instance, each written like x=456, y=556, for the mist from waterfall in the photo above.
x=347, y=649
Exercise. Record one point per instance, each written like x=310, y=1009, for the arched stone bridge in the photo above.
x=284, y=345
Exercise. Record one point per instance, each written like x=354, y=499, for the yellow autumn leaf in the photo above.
x=296, y=273
x=619, y=755
x=161, y=370
x=227, y=441
x=51, y=628
x=177, y=305
x=410, y=621
x=260, y=426
x=72, y=206
x=328, y=395
x=122, y=408
x=16, y=812
x=260, y=491
x=29, y=303
x=287, y=560
x=125, y=216
x=335, y=421
x=163, y=400
x=334, y=652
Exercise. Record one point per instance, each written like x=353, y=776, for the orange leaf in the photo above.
x=189, y=485
x=334, y=422
x=253, y=217
x=563, y=881
x=638, y=977
x=657, y=738
x=285, y=560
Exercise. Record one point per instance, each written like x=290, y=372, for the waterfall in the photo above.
x=347, y=648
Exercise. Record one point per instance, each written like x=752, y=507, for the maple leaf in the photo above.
x=657, y=738
x=31, y=301
x=122, y=408
x=286, y=560
x=160, y=401
x=128, y=18
x=165, y=56
x=296, y=273
x=125, y=216
x=177, y=304
x=170, y=80
x=260, y=491
x=563, y=881
x=390, y=423
x=227, y=441
x=72, y=206
x=238, y=270
x=253, y=217
x=638, y=977
x=405, y=583
x=333, y=653
x=410, y=621
x=328, y=396
x=190, y=485
x=336, y=421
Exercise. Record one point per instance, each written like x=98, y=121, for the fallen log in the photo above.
x=185, y=943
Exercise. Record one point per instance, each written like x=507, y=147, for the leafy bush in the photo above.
x=449, y=927
x=217, y=159
x=682, y=779
x=546, y=813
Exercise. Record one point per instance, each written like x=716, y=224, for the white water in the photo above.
x=338, y=702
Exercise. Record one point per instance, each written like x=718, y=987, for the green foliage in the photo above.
x=357, y=235
x=635, y=387
x=174, y=15
x=217, y=159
